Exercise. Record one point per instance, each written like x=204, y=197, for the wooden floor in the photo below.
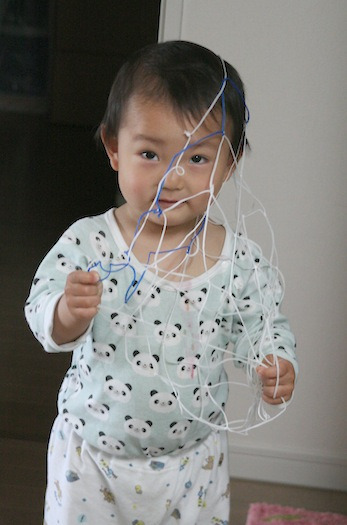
x=50, y=176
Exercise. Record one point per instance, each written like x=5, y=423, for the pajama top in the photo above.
x=147, y=377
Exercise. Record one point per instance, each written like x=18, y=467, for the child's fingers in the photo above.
x=278, y=400
x=81, y=277
x=83, y=307
x=83, y=301
x=277, y=392
x=282, y=369
x=84, y=290
x=83, y=293
x=272, y=377
x=81, y=284
x=85, y=313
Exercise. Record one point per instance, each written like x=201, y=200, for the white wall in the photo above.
x=292, y=58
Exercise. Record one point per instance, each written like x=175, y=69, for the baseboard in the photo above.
x=290, y=468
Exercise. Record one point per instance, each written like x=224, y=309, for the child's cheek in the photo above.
x=138, y=189
x=131, y=187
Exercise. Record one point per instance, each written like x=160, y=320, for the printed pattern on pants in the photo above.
x=87, y=485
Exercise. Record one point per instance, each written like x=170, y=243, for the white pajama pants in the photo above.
x=86, y=485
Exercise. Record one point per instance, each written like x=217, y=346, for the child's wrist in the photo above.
x=66, y=326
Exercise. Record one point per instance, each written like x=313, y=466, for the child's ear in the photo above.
x=111, y=148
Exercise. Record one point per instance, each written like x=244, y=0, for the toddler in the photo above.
x=151, y=298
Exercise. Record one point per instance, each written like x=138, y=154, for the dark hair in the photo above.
x=188, y=75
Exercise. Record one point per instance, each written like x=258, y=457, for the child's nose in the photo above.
x=174, y=179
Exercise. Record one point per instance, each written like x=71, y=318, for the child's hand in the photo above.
x=77, y=306
x=83, y=294
x=268, y=376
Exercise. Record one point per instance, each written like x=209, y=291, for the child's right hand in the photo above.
x=83, y=294
x=77, y=306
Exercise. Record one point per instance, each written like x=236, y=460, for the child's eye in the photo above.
x=198, y=159
x=149, y=155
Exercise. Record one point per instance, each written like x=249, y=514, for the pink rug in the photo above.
x=262, y=514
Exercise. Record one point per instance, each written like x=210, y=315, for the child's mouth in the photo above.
x=165, y=203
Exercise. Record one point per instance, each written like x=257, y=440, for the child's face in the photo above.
x=150, y=136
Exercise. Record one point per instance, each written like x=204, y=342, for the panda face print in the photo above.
x=110, y=444
x=154, y=296
x=216, y=357
x=137, y=427
x=44, y=281
x=100, y=246
x=84, y=369
x=103, y=352
x=225, y=296
x=208, y=330
x=187, y=367
x=201, y=396
x=214, y=416
x=76, y=423
x=70, y=238
x=123, y=324
x=193, y=300
x=31, y=310
x=227, y=301
x=150, y=296
x=65, y=265
x=225, y=326
x=109, y=290
x=153, y=451
x=145, y=364
x=168, y=334
x=246, y=305
x=243, y=253
x=72, y=381
x=117, y=390
x=238, y=327
x=96, y=409
x=38, y=308
x=179, y=430
x=163, y=402
x=237, y=284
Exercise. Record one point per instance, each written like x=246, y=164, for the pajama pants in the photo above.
x=87, y=485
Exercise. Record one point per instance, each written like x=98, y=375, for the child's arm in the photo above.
x=64, y=297
x=260, y=332
x=77, y=306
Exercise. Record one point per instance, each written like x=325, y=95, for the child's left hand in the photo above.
x=268, y=376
